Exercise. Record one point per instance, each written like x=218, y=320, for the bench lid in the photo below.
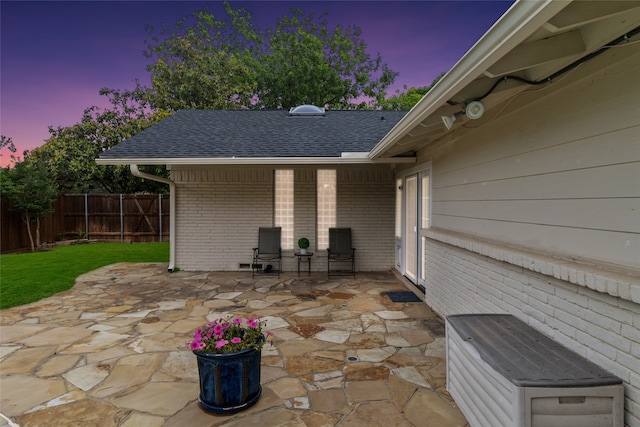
x=525, y=356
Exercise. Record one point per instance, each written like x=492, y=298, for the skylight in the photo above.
x=306, y=110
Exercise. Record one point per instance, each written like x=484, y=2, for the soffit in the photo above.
x=574, y=32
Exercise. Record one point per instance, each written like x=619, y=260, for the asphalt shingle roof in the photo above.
x=257, y=133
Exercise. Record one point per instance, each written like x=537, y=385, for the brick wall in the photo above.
x=218, y=214
x=602, y=327
x=304, y=195
x=366, y=203
x=219, y=211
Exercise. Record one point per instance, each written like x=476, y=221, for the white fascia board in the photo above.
x=522, y=19
x=359, y=159
x=354, y=154
x=386, y=160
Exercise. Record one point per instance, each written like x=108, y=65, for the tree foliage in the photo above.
x=7, y=146
x=206, y=62
x=306, y=62
x=203, y=62
x=407, y=99
x=70, y=152
x=29, y=187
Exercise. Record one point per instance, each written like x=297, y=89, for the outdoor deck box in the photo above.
x=502, y=372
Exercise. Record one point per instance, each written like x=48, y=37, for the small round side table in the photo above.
x=304, y=258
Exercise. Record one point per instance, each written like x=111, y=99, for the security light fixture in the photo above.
x=448, y=120
x=474, y=110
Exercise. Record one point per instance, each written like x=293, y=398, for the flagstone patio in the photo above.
x=111, y=352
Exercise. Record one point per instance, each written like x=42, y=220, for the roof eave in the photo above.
x=517, y=23
x=241, y=161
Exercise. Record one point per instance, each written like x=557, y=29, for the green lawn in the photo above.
x=29, y=277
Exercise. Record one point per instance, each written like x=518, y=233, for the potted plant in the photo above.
x=228, y=354
x=303, y=244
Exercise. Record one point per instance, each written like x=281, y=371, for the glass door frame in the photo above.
x=422, y=218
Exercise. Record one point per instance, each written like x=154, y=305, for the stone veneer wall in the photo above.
x=590, y=311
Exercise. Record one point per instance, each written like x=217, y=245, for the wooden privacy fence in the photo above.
x=109, y=217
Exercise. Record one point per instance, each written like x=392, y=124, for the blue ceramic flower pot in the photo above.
x=229, y=382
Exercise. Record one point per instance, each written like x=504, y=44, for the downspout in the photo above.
x=172, y=210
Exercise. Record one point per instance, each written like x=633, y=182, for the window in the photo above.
x=425, y=221
x=326, y=205
x=284, y=206
x=426, y=202
x=398, y=209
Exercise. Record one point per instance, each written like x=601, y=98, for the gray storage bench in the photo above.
x=502, y=372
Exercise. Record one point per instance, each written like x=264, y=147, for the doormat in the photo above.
x=402, y=296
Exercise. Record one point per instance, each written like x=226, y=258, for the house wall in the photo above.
x=219, y=211
x=536, y=212
x=555, y=170
x=366, y=203
x=601, y=327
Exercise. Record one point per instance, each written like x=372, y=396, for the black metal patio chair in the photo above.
x=340, y=253
x=268, y=254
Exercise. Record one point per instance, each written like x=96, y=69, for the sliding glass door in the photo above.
x=413, y=219
x=411, y=227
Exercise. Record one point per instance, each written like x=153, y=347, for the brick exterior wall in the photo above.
x=602, y=327
x=366, y=203
x=304, y=198
x=218, y=214
x=219, y=211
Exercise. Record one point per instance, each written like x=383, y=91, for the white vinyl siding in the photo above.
x=549, y=176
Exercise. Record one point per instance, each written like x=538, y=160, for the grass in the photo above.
x=29, y=277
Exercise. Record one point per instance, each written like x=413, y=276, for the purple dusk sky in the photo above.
x=56, y=55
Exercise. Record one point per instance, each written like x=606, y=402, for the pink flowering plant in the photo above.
x=229, y=336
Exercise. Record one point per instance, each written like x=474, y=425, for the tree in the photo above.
x=306, y=62
x=28, y=186
x=6, y=143
x=205, y=62
x=410, y=97
x=70, y=152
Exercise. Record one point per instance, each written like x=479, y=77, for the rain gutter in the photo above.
x=345, y=158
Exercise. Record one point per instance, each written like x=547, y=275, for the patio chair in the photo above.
x=268, y=254
x=341, y=252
